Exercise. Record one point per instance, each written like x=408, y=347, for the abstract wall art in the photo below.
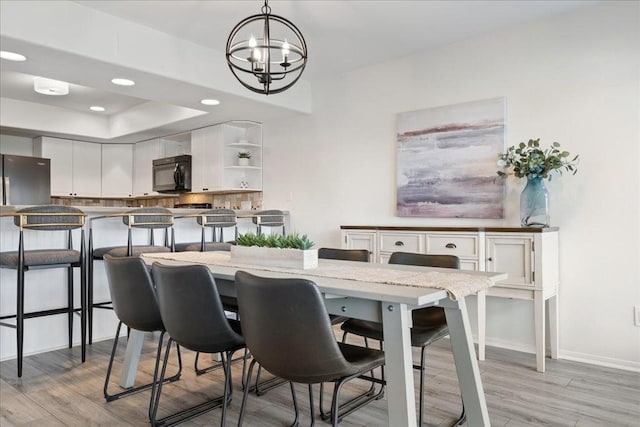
x=446, y=160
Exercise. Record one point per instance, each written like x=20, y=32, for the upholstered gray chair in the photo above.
x=269, y=218
x=361, y=255
x=136, y=305
x=49, y=218
x=192, y=313
x=216, y=220
x=142, y=218
x=429, y=323
x=278, y=316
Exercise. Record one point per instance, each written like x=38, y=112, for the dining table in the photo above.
x=377, y=292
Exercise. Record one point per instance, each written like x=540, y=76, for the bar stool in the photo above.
x=142, y=218
x=47, y=218
x=215, y=219
x=268, y=218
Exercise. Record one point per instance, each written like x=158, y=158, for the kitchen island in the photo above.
x=45, y=289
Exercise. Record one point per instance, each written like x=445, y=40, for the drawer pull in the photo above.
x=450, y=246
x=489, y=259
x=399, y=243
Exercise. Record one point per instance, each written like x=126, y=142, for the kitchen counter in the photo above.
x=45, y=289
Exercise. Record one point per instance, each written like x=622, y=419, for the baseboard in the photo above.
x=609, y=362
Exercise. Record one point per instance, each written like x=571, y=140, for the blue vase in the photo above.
x=534, y=204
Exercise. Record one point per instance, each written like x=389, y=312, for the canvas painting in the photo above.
x=446, y=161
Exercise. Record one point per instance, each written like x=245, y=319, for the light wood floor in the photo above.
x=56, y=390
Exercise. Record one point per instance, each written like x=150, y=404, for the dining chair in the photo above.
x=216, y=220
x=270, y=218
x=47, y=218
x=429, y=323
x=288, y=332
x=149, y=219
x=361, y=255
x=192, y=313
x=136, y=306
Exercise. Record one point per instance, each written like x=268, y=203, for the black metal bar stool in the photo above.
x=47, y=218
x=142, y=218
x=216, y=220
x=269, y=218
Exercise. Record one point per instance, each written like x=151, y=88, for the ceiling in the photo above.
x=341, y=36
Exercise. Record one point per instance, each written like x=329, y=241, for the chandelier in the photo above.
x=266, y=52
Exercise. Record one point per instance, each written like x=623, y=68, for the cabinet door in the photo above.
x=60, y=151
x=512, y=255
x=117, y=166
x=360, y=240
x=144, y=153
x=87, y=169
x=206, y=159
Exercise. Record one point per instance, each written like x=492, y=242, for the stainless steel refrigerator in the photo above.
x=25, y=180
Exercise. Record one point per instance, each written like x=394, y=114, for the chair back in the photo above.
x=163, y=218
x=191, y=308
x=424, y=260
x=344, y=254
x=51, y=218
x=287, y=329
x=269, y=218
x=217, y=218
x=132, y=292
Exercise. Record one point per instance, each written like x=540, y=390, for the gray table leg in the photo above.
x=131, y=358
x=398, y=364
x=466, y=363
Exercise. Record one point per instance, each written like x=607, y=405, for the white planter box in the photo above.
x=275, y=257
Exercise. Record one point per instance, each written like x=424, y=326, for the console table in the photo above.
x=528, y=255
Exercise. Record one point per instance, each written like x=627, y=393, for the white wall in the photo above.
x=573, y=79
x=16, y=145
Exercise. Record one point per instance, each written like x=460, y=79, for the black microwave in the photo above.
x=172, y=174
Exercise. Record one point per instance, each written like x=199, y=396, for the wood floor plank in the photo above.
x=57, y=390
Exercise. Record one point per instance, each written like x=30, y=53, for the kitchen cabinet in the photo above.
x=144, y=153
x=214, y=152
x=528, y=255
x=75, y=166
x=117, y=170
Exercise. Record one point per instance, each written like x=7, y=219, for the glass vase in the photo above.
x=534, y=204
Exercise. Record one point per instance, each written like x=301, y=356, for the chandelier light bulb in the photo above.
x=285, y=47
x=252, y=42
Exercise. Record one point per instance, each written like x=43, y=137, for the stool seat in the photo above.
x=121, y=251
x=40, y=257
x=196, y=246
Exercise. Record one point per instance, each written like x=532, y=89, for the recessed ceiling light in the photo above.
x=210, y=102
x=12, y=56
x=123, y=82
x=50, y=86
x=96, y=108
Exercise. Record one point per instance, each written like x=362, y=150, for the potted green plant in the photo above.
x=536, y=164
x=290, y=251
x=243, y=158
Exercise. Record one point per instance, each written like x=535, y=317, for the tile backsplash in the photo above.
x=234, y=200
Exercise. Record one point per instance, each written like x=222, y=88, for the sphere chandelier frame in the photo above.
x=261, y=64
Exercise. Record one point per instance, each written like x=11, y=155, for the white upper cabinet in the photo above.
x=75, y=166
x=215, y=160
x=117, y=170
x=144, y=153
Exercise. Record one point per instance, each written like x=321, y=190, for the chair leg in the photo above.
x=295, y=405
x=263, y=387
x=111, y=397
x=423, y=352
x=70, y=305
x=313, y=415
x=20, y=319
x=246, y=392
x=90, y=298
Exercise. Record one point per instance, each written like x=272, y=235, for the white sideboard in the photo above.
x=528, y=255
